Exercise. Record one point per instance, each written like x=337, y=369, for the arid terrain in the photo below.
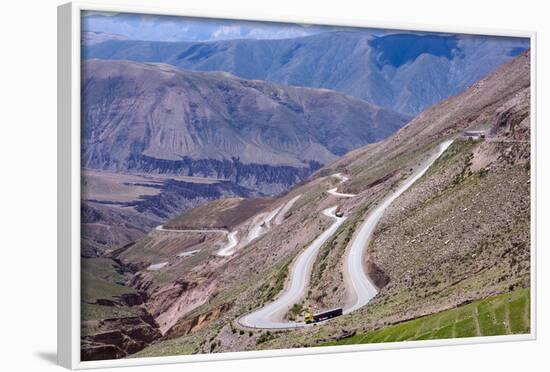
x=167, y=283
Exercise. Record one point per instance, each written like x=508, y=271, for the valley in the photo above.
x=388, y=69
x=120, y=208
x=225, y=206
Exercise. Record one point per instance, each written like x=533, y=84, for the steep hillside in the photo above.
x=119, y=209
x=114, y=322
x=157, y=119
x=394, y=70
x=220, y=214
x=458, y=234
x=462, y=232
x=508, y=313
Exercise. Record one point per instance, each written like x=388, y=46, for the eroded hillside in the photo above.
x=392, y=70
x=459, y=234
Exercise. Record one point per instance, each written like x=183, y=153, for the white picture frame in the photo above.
x=69, y=186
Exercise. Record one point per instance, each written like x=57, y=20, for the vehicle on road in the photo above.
x=325, y=315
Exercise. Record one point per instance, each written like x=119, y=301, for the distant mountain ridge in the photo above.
x=155, y=118
x=460, y=233
x=177, y=28
x=404, y=72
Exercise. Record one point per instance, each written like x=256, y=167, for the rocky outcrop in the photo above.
x=178, y=196
x=174, y=301
x=126, y=299
x=117, y=338
x=131, y=299
x=97, y=351
x=160, y=119
x=379, y=278
x=197, y=322
x=512, y=120
x=262, y=178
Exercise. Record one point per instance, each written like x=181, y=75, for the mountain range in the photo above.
x=176, y=28
x=457, y=237
x=158, y=119
x=404, y=72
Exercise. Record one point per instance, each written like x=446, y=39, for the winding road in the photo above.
x=284, y=210
x=163, y=229
x=360, y=287
x=260, y=226
x=226, y=250
x=363, y=290
x=269, y=316
x=229, y=248
x=336, y=193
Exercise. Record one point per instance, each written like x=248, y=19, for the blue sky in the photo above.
x=172, y=28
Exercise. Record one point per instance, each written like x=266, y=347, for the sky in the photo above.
x=172, y=28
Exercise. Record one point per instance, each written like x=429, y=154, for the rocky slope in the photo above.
x=114, y=321
x=133, y=205
x=461, y=233
x=252, y=138
x=158, y=119
x=393, y=70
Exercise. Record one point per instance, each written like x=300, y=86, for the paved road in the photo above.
x=261, y=225
x=157, y=266
x=341, y=177
x=262, y=222
x=270, y=315
x=161, y=228
x=188, y=253
x=226, y=250
x=357, y=281
x=229, y=248
x=361, y=289
x=281, y=215
x=336, y=193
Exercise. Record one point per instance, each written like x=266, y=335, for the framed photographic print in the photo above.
x=235, y=186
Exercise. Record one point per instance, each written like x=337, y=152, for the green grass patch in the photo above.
x=94, y=288
x=99, y=312
x=99, y=280
x=265, y=337
x=273, y=289
x=504, y=314
x=104, y=268
x=296, y=309
x=102, y=278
